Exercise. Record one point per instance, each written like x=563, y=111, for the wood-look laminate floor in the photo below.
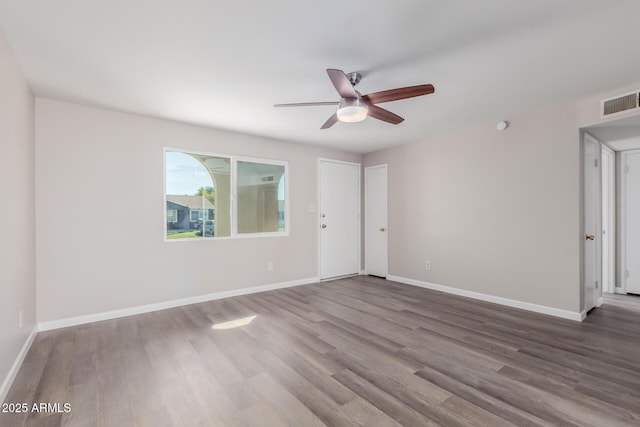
x=359, y=351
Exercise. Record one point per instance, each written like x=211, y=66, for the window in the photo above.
x=260, y=197
x=199, y=188
x=172, y=216
x=196, y=187
x=200, y=215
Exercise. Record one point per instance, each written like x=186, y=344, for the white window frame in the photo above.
x=233, y=194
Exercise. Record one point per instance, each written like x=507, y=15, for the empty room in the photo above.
x=297, y=213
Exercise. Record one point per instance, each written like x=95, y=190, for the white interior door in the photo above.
x=608, y=220
x=375, y=212
x=591, y=206
x=339, y=219
x=632, y=221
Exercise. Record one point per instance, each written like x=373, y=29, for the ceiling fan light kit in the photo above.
x=354, y=107
x=352, y=110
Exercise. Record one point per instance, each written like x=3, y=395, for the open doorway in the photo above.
x=619, y=207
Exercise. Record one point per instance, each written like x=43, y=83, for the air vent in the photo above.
x=267, y=179
x=619, y=104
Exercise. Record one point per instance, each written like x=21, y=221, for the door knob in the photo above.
x=324, y=225
x=590, y=237
x=382, y=229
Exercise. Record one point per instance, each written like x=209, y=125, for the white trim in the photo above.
x=587, y=137
x=557, y=312
x=11, y=375
x=366, y=215
x=164, y=193
x=623, y=218
x=343, y=162
x=319, y=214
x=609, y=156
x=107, y=315
x=346, y=276
x=319, y=210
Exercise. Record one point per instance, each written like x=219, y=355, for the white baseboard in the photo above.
x=8, y=381
x=107, y=315
x=565, y=314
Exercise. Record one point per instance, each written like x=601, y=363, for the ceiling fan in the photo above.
x=354, y=107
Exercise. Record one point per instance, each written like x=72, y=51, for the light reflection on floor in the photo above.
x=234, y=323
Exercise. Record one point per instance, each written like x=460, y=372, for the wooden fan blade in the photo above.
x=399, y=93
x=341, y=83
x=330, y=122
x=384, y=115
x=305, y=104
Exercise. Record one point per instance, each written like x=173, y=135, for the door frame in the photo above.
x=366, y=216
x=609, y=180
x=623, y=218
x=319, y=212
x=598, y=241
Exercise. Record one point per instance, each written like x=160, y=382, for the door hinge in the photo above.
x=626, y=273
x=596, y=163
x=596, y=284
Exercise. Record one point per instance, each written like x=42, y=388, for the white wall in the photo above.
x=495, y=212
x=17, y=244
x=100, y=214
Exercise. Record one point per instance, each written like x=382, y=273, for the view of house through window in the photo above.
x=198, y=195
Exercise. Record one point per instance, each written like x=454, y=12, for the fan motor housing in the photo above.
x=354, y=78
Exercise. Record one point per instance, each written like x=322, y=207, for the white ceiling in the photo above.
x=224, y=63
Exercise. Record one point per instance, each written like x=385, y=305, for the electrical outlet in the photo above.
x=270, y=266
x=427, y=265
x=20, y=321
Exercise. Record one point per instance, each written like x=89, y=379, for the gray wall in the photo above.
x=495, y=212
x=89, y=158
x=17, y=245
